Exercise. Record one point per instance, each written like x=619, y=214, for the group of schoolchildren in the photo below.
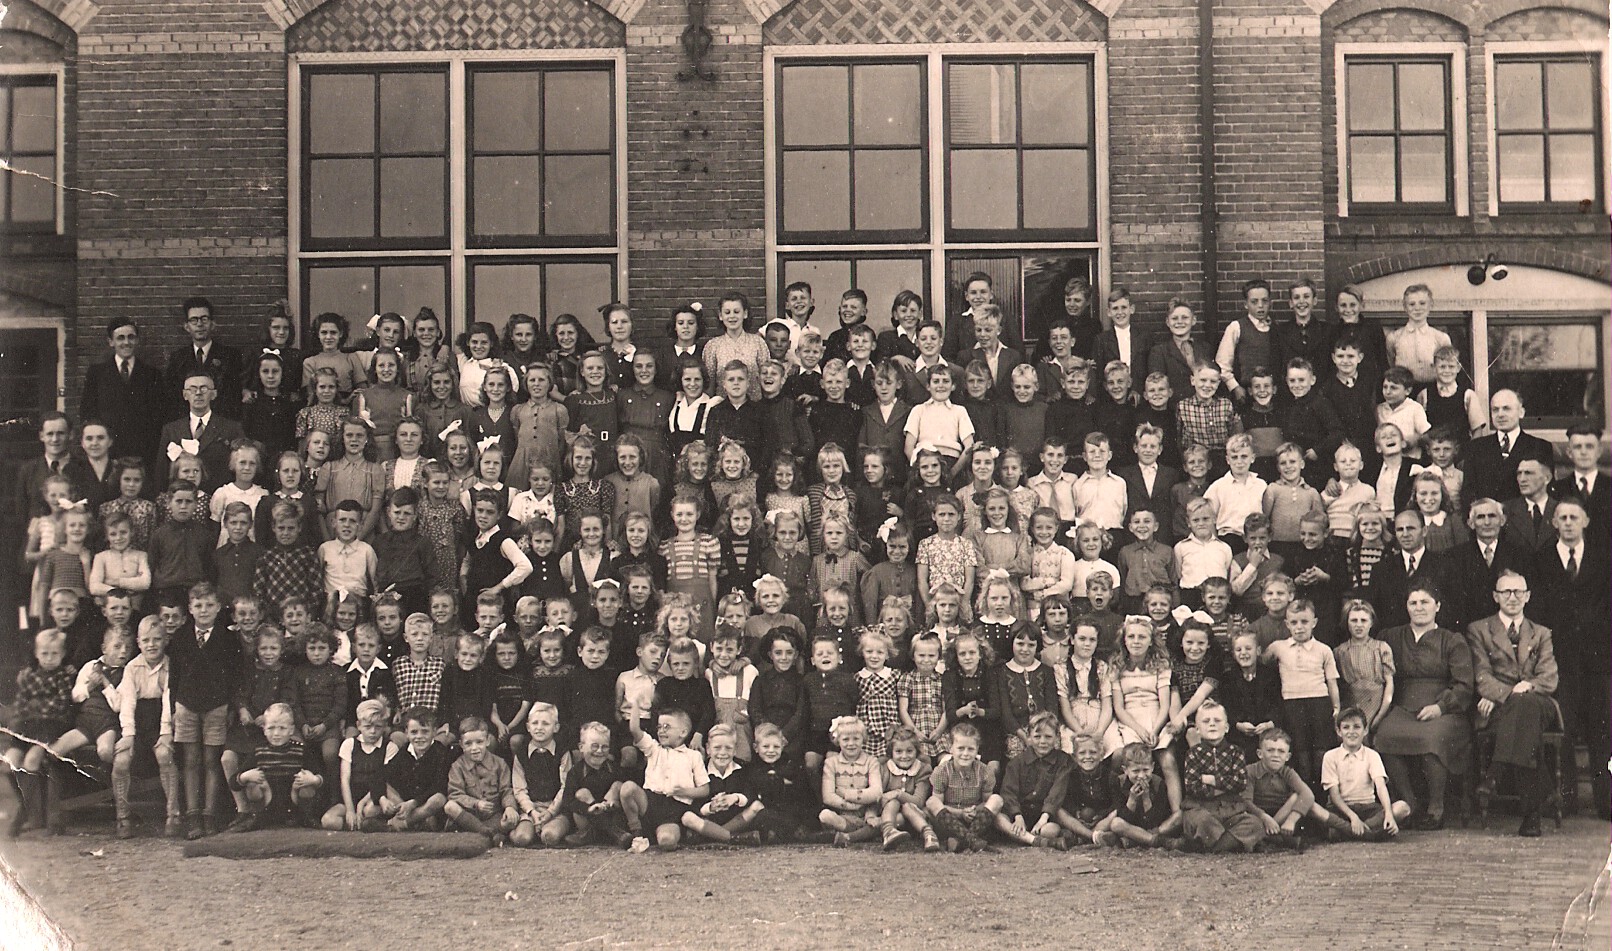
x=590, y=592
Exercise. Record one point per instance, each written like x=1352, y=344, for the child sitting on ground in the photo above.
x=281, y=781
x=905, y=778
x=363, y=773
x=852, y=786
x=674, y=776
x=1033, y=785
x=592, y=800
x=1144, y=817
x=1215, y=815
x=1357, y=783
x=962, y=803
x=1281, y=798
x=1092, y=796
x=778, y=787
x=537, y=778
x=481, y=797
x=417, y=777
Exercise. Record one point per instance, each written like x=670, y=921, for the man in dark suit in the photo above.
x=125, y=392
x=1123, y=341
x=1530, y=516
x=1488, y=553
x=203, y=354
x=211, y=432
x=1571, y=598
x=1491, y=461
x=1391, y=579
x=1146, y=469
x=56, y=436
x=1306, y=335
x=1587, y=481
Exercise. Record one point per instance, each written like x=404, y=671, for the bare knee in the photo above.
x=522, y=835
x=667, y=837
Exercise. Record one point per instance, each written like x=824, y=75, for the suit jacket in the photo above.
x=29, y=499
x=1599, y=503
x=1488, y=475
x=1159, y=502
x=1479, y=577
x=215, y=446
x=1402, y=488
x=1107, y=348
x=1574, y=608
x=1166, y=358
x=1390, y=586
x=1313, y=342
x=1520, y=525
x=1005, y=362
x=132, y=410
x=1356, y=407
x=1500, y=666
x=223, y=365
x=915, y=390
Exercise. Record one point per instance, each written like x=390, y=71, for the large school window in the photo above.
x=1547, y=130
x=29, y=144
x=1401, y=128
x=894, y=170
x=477, y=186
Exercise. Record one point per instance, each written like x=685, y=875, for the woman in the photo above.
x=1428, y=729
x=1372, y=341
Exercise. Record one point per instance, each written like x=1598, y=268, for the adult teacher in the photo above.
x=1428, y=729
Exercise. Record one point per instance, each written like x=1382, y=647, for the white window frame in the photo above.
x=459, y=256
x=1459, y=146
x=1502, y=50
x=59, y=71
x=936, y=247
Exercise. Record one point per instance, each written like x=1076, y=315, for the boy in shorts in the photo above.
x=674, y=776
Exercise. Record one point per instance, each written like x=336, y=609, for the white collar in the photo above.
x=375, y=665
x=1017, y=668
x=1577, y=550
x=485, y=537
x=898, y=771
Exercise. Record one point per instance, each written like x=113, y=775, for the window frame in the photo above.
x=1532, y=50
x=460, y=250
x=936, y=244
x=34, y=74
x=1453, y=55
x=1544, y=318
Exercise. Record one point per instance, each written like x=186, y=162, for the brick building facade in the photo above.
x=547, y=155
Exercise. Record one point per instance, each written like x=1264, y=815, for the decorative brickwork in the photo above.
x=374, y=25
x=1552, y=24
x=1396, y=26
x=934, y=21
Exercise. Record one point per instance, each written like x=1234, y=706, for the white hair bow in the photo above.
x=885, y=527
x=177, y=449
x=768, y=579
x=607, y=581
x=450, y=429
x=486, y=444
x=68, y=505
x=373, y=322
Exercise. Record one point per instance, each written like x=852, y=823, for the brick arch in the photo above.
x=1345, y=10
x=288, y=13
x=1500, y=9
x=1473, y=250
x=72, y=14
x=35, y=17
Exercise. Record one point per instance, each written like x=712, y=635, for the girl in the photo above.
x=1139, y=683
x=570, y=341
x=538, y=501
x=785, y=493
x=386, y=401
x=686, y=422
x=459, y=460
x=778, y=693
x=1054, y=626
x=965, y=687
x=686, y=344
x=324, y=414
x=636, y=544
x=331, y=330
x=539, y=425
x=924, y=495
x=1368, y=547
x=494, y=561
x=406, y=468
x=512, y=691
x=592, y=410
x=998, y=610
x=945, y=616
x=736, y=343
x=356, y=475
x=733, y=475
x=1087, y=700
x=279, y=332
x=1194, y=675
x=142, y=513
x=982, y=479
x=433, y=356
x=694, y=477
x=789, y=560
x=852, y=785
x=478, y=353
x=895, y=620
x=521, y=341
x=1444, y=531
x=121, y=565
x=1052, y=566
x=270, y=415
x=1157, y=602
x=545, y=582
x=244, y=462
x=619, y=349
x=445, y=624
x=1023, y=498
x=186, y=466
x=1090, y=542
x=640, y=604
x=878, y=702
x=1001, y=543
x=877, y=498
x=584, y=492
x=440, y=409
x=1251, y=691
x=946, y=557
x=588, y=562
x=894, y=576
x=731, y=680
x=772, y=598
x=442, y=520
x=645, y=412
x=829, y=498
x=341, y=617
x=743, y=537
x=493, y=416
x=1365, y=664
x=386, y=333
x=1022, y=688
x=68, y=564
x=693, y=559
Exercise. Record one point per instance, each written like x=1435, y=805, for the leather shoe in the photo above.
x=1530, y=827
x=1430, y=823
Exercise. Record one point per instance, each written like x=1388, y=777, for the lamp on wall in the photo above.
x=696, y=42
x=1487, y=270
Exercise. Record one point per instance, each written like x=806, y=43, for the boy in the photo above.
x=777, y=787
x=831, y=692
x=181, y=553
x=1413, y=345
x=853, y=313
x=1309, y=686
x=1158, y=410
x=1024, y=416
x=1034, y=784
x=467, y=686
x=884, y=422
x=961, y=337
x=288, y=568
x=95, y=691
x=1275, y=595
x=362, y=779
x=1144, y=562
x=538, y=775
x=1203, y=418
x=417, y=674
x=417, y=777
x=1279, y=797
x=481, y=798
x=674, y=776
x=1248, y=341
x=727, y=803
x=591, y=687
x=1100, y=495
x=939, y=422
x=592, y=801
x=206, y=662
x=1342, y=494
x=1200, y=555
x=1308, y=419
x=988, y=348
x=1250, y=569
x=859, y=365
x=785, y=427
x=1223, y=621
x=1262, y=420
x=349, y=563
x=237, y=559
x=146, y=730
x=269, y=682
x=1149, y=482
x=805, y=386
x=1216, y=815
x=961, y=803
x=1237, y=494
x=1071, y=415
x=1053, y=486
x=735, y=416
x=1144, y=818
x=1289, y=499
x=1353, y=399
x=321, y=692
x=489, y=616
x=1442, y=448
x=281, y=781
x=915, y=388
x=403, y=559
x=1398, y=408
x=1195, y=460
x=1392, y=477
x=1318, y=574
x=833, y=418
x=686, y=689
x=635, y=693
x=1357, y=784
x=1100, y=587
x=368, y=676
x=1122, y=342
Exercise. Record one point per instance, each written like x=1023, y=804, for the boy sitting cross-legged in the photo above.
x=674, y=776
x=281, y=781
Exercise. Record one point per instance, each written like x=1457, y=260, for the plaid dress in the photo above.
x=926, y=704
x=879, y=706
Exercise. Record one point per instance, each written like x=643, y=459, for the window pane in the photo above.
x=33, y=199
x=1371, y=96
x=578, y=195
x=1551, y=366
x=981, y=108
x=412, y=198
x=499, y=290
x=33, y=126
x=349, y=291
x=1055, y=103
x=1572, y=168
x=341, y=114
x=1519, y=102
x=407, y=288
x=886, y=110
x=984, y=189
x=1421, y=96
x=1422, y=162
x=1522, y=167
x=889, y=190
x=1044, y=280
x=828, y=280
x=576, y=111
x=579, y=289
x=815, y=101
x=341, y=198
x=884, y=279
x=1056, y=189
x=504, y=111
x=1371, y=168
x=817, y=191
x=1006, y=279
x=1572, y=95
x=413, y=112
x=508, y=195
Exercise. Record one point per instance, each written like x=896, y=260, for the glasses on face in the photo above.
x=1511, y=592
x=198, y=389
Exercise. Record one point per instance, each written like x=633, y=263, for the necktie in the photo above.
x=201, y=637
x=201, y=357
x=1410, y=564
x=1186, y=350
x=201, y=424
x=1583, y=486
x=1511, y=632
x=1539, y=517
x=123, y=368
x=1488, y=555
x=1572, y=563
x=1505, y=444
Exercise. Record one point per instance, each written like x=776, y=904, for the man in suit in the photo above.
x=1586, y=481
x=1391, y=579
x=203, y=354
x=1491, y=461
x=1147, y=483
x=1488, y=553
x=1530, y=516
x=990, y=351
x=125, y=392
x=1571, y=598
x=1515, y=666
x=56, y=436
x=1307, y=335
x=212, y=432
x=1123, y=342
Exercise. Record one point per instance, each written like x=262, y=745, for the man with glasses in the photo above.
x=1515, y=663
x=201, y=431
x=205, y=355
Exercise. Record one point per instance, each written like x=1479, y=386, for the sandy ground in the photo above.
x=1456, y=889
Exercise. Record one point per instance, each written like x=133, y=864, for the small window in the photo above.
x=1399, y=129
x=1552, y=362
x=1547, y=119
x=28, y=193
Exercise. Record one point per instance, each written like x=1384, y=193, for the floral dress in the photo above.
x=441, y=524
x=575, y=499
x=879, y=705
x=948, y=560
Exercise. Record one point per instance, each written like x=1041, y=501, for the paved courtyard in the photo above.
x=1457, y=890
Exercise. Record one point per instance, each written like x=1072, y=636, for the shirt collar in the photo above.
x=898, y=771
x=1018, y=668
x=376, y=664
